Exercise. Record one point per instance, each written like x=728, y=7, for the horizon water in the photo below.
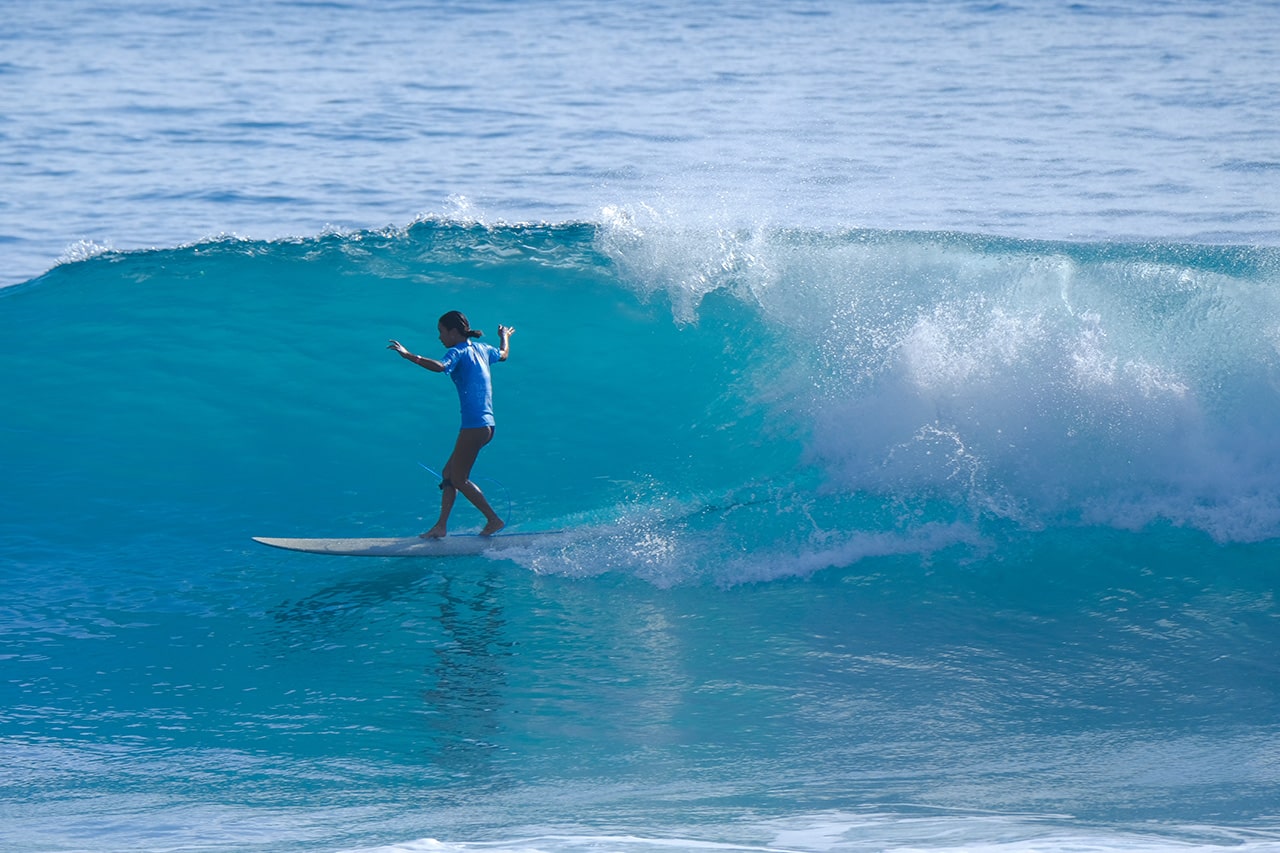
x=904, y=377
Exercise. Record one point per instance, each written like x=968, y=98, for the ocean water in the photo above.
x=903, y=376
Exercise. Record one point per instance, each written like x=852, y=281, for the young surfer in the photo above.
x=467, y=363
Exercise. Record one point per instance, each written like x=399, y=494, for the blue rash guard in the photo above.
x=468, y=366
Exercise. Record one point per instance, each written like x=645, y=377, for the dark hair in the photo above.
x=457, y=321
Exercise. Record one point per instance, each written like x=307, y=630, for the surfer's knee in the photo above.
x=447, y=483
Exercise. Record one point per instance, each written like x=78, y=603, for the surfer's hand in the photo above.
x=504, y=347
x=398, y=347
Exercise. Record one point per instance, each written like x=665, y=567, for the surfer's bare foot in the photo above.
x=437, y=532
x=493, y=527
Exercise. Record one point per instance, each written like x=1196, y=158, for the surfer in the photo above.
x=467, y=363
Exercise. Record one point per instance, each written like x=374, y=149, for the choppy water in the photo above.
x=921, y=487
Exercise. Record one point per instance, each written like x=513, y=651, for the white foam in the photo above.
x=1036, y=382
x=904, y=830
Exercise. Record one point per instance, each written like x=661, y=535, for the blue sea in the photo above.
x=903, y=376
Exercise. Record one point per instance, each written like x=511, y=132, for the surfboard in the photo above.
x=454, y=545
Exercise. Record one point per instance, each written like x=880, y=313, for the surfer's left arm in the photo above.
x=429, y=363
x=504, y=341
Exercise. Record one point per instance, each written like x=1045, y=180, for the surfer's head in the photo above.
x=454, y=325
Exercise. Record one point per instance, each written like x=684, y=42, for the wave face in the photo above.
x=890, y=517
x=784, y=394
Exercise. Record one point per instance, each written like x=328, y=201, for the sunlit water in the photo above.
x=903, y=376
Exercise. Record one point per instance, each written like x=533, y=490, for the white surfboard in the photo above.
x=454, y=545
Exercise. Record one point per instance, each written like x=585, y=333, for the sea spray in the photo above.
x=1041, y=382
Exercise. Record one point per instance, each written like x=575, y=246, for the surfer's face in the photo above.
x=450, y=337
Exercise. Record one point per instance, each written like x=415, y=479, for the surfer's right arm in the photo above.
x=429, y=363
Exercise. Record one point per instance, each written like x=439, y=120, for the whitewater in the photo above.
x=902, y=379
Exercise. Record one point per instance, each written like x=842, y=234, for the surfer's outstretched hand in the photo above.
x=398, y=347
x=504, y=341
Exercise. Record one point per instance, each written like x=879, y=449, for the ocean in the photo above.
x=902, y=378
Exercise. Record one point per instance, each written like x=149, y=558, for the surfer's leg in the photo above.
x=457, y=474
x=448, y=493
x=492, y=523
x=461, y=459
x=475, y=439
x=447, y=496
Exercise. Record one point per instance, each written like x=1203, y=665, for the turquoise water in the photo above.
x=877, y=540
x=905, y=376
